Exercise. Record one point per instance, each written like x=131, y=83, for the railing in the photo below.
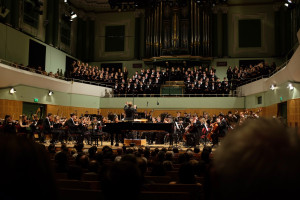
x=250, y=80
x=232, y=94
x=103, y=84
x=32, y=70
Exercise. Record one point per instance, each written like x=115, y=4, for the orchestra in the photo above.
x=189, y=130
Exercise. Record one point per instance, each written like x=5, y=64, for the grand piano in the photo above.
x=129, y=126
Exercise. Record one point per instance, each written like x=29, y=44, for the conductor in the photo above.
x=129, y=111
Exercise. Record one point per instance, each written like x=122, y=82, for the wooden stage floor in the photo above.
x=181, y=147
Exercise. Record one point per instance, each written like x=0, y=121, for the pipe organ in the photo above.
x=178, y=27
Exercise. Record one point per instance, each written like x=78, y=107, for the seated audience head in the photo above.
x=186, y=173
x=196, y=150
x=258, y=160
x=25, y=170
x=122, y=181
x=93, y=166
x=205, y=155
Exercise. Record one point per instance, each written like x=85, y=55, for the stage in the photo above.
x=181, y=147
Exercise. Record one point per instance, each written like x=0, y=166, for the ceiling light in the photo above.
x=290, y=86
x=73, y=16
x=12, y=90
x=273, y=87
x=50, y=93
x=286, y=5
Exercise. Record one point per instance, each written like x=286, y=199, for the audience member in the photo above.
x=25, y=170
x=258, y=160
x=122, y=181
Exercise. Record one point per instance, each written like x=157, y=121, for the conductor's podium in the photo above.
x=136, y=142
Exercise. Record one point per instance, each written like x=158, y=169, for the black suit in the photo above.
x=129, y=111
x=46, y=129
x=71, y=126
x=73, y=129
x=47, y=126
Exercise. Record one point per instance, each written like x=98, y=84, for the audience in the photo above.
x=257, y=160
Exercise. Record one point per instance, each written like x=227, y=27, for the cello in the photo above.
x=214, y=128
x=187, y=131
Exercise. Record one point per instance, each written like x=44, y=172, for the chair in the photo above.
x=79, y=194
x=59, y=176
x=158, y=179
x=195, y=190
x=165, y=195
x=75, y=184
x=90, y=177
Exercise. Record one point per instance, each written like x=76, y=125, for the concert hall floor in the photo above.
x=180, y=146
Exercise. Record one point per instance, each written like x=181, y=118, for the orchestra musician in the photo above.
x=95, y=124
x=169, y=119
x=58, y=132
x=219, y=128
x=23, y=126
x=9, y=126
x=34, y=126
x=179, y=130
x=73, y=127
x=47, y=127
x=117, y=133
x=191, y=134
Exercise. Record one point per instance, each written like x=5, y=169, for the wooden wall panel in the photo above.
x=270, y=111
x=11, y=107
x=65, y=111
x=293, y=114
x=157, y=112
x=14, y=108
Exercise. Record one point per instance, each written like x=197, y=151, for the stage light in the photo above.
x=290, y=86
x=273, y=87
x=290, y=1
x=50, y=93
x=286, y=5
x=65, y=1
x=12, y=90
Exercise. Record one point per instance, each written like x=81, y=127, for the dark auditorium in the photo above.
x=150, y=99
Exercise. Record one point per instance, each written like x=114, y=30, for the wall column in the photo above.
x=50, y=25
x=225, y=31
x=277, y=35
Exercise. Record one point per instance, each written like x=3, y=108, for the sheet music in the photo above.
x=177, y=125
x=205, y=127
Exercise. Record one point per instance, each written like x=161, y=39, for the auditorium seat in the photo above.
x=79, y=194
x=165, y=195
x=195, y=190
x=159, y=179
x=59, y=176
x=75, y=184
x=90, y=177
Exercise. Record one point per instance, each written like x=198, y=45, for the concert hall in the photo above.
x=149, y=99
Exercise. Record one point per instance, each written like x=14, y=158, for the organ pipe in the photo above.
x=174, y=29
